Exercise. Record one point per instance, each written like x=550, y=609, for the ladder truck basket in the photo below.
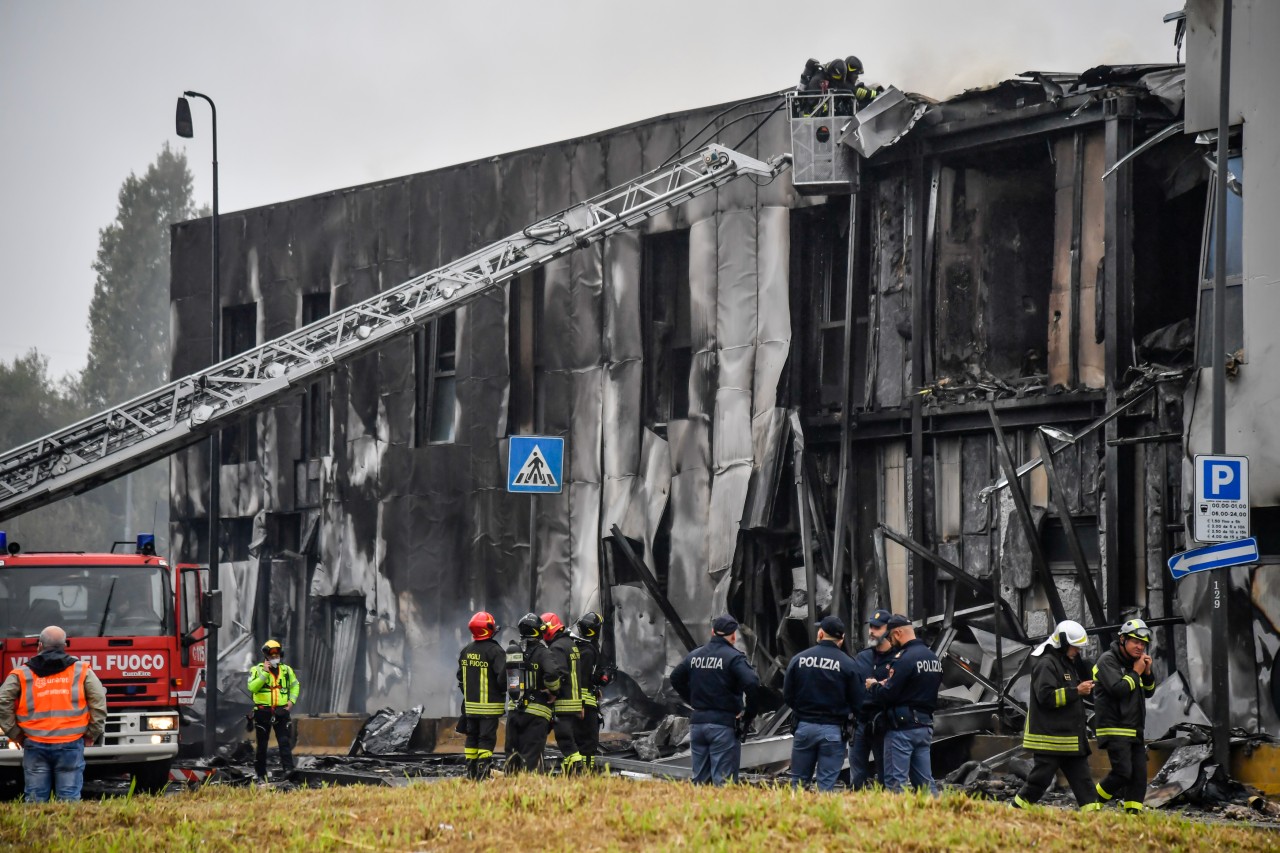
x=821, y=165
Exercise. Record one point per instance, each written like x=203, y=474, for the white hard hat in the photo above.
x=1068, y=632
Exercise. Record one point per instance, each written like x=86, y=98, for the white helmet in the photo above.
x=1069, y=632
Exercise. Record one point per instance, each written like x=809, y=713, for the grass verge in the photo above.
x=530, y=813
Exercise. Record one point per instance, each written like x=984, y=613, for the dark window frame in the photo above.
x=239, y=441
x=666, y=305
x=436, y=381
x=525, y=295
x=1234, y=280
x=315, y=424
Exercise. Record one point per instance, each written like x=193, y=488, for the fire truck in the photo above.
x=136, y=620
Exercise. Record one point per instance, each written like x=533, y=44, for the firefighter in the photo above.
x=52, y=706
x=713, y=679
x=821, y=685
x=1123, y=680
x=862, y=91
x=568, y=705
x=1055, y=728
x=586, y=635
x=274, y=688
x=868, y=736
x=482, y=676
x=908, y=696
x=539, y=682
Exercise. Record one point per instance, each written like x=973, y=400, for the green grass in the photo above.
x=534, y=813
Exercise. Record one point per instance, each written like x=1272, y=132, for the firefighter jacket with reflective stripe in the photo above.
x=54, y=708
x=569, y=660
x=482, y=677
x=589, y=657
x=273, y=689
x=542, y=679
x=1120, y=696
x=712, y=679
x=822, y=685
x=1055, y=714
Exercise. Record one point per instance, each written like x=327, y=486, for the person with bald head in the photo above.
x=53, y=706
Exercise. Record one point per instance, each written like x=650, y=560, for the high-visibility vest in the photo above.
x=273, y=690
x=53, y=708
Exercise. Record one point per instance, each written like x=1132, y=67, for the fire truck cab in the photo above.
x=136, y=620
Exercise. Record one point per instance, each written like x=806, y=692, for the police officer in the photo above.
x=908, y=697
x=823, y=689
x=713, y=679
x=539, y=683
x=1122, y=682
x=568, y=703
x=274, y=688
x=586, y=636
x=1055, y=729
x=482, y=674
x=868, y=737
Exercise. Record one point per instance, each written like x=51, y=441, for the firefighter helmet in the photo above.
x=1136, y=629
x=482, y=625
x=272, y=647
x=853, y=65
x=588, y=626
x=1067, y=633
x=530, y=626
x=551, y=622
x=836, y=72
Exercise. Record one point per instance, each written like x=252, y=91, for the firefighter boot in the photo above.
x=483, y=766
x=471, y=768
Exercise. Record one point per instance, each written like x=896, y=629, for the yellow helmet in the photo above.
x=272, y=646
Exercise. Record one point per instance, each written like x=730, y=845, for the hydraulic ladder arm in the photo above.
x=181, y=413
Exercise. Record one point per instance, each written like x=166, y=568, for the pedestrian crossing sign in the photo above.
x=535, y=463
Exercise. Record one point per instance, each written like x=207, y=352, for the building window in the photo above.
x=1234, y=278
x=239, y=334
x=667, y=330
x=315, y=400
x=524, y=351
x=235, y=535
x=820, y=263
x=437, y=363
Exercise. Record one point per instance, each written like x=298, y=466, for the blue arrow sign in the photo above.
x=1238, y=553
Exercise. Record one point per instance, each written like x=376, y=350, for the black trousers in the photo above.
x=264, y=720
x=1046, y=766
x=566, y=726
x=526, y=738
x=586, y=732
x=1127, y=780
x=482, y=736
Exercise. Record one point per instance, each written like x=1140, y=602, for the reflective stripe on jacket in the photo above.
x=569, y=661
x=272, y=691
x=588, y=659
x=1120, y=697
x=53, y=708
x=482, y=677
x=1055, y=714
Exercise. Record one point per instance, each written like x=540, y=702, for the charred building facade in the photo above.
x=773, y=403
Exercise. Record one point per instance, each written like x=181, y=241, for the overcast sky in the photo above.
x=322, y=94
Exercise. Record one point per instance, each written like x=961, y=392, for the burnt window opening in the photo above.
x=994, y=264
x=234, y=536
x=667, y=328
x=820, y=267
x=436, y=355
x=525, y=351
x=1234, y=273
x=239, y=334
x=315, y=400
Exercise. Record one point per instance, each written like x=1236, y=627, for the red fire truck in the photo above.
x=136, y=620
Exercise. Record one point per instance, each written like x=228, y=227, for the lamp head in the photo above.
x=182, y=121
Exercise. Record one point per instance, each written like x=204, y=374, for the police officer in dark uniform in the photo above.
x=868, y=738
x=540, y=677
x=823, y=689
x=568, y=704
x=586, y=636
x=482, y=676
x=713, y=679
x=909, y=696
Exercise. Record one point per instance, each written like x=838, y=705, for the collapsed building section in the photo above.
x=775, y=403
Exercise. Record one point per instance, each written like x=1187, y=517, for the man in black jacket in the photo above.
x=1124, y=680
x=540, y=678
x=909, y=696
x=868, y=737
x=482, y=678
x=1055, y=728
x=568, y=704
x=713, y=679
x=823, y=689
x=586, y=636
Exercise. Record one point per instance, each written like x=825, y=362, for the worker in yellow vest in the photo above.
x=53, y=706
x=274, y=688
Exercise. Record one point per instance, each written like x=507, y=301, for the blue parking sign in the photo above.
x=535, y=464
x=1221, y=507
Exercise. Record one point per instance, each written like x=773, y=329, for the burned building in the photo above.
x=774, y=402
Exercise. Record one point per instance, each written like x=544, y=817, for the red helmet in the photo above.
x=554, y=626
x=483, y=626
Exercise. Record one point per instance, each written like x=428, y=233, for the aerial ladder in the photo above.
x=124, y=438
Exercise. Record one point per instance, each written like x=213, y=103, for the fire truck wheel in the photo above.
x=152, y=777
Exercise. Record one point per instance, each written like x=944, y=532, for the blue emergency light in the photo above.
x=4, y=543
x=146, y=543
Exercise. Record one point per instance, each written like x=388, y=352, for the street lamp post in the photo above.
x=185, y=130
